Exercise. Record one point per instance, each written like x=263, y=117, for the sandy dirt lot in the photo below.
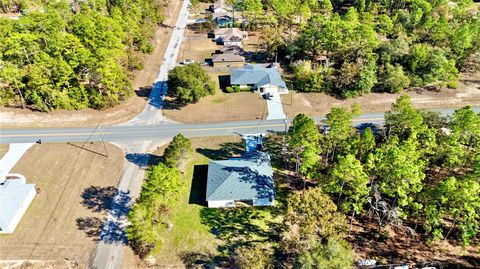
x=143, y=79
x=3, y=149
x=468, y=93
x=197, y=47
x=74, y=186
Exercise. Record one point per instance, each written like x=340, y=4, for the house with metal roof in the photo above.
x=258, y=77
x=242, y=181
x=15, y=194
x=15, y=197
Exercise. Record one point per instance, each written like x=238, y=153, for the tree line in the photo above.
x=349, y=48
x=75, y=55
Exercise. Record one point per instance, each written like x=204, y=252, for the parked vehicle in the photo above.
x=268, y=96
x=187, y=62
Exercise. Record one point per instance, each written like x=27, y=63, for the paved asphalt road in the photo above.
x=125, y=134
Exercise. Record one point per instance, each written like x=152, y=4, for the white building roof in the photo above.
x=15, y=152
x=15, y=197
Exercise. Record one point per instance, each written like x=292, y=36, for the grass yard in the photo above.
x=74, y=187
x=219, y=107
x=200, y=234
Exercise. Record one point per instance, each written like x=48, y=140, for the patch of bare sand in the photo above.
x=143, y=79
x=468, y=93
x=3, y=149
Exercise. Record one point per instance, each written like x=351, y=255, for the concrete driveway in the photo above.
x=275, y=108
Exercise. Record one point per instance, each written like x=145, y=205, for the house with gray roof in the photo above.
x=230, y=36
x=242, y=181
x=227, y=60
x=260, y=78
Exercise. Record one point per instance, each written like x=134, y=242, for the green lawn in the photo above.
x=200, y=234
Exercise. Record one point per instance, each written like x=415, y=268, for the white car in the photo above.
x=187, y=62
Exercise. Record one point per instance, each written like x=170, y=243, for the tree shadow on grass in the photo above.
x=226, y=151
x=235, y=227
x=273, y=144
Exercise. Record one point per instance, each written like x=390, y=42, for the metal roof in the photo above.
x=247, y=178
x=15, y=197
x=256, y=74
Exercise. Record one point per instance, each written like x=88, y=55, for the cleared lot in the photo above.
x=74, y=188
x=468, y=93
x=3, y=150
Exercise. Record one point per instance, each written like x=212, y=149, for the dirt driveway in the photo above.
x=24, y=118
x=75, y=187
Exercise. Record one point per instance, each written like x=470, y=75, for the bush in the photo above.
x=229, y=89
x=236, y=88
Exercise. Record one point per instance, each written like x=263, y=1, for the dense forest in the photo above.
x=348, y=48
x=73, y=54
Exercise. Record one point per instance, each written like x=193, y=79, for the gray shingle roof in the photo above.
x=247, y=178
x=256, y=74
x=227, y=58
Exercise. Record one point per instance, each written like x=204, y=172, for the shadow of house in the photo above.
x=224, y=81
x=199, y=185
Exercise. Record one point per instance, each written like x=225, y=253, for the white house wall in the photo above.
x=263, y=202
x=221, y=203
